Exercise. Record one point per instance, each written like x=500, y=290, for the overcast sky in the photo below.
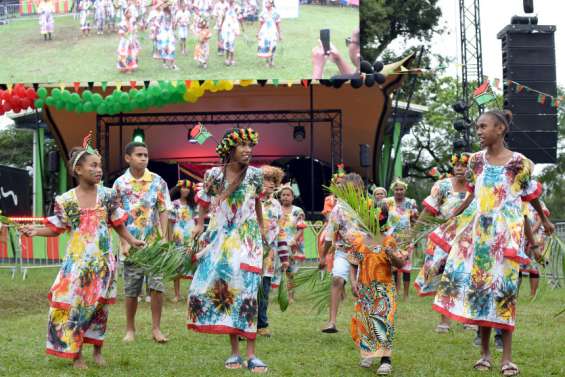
x=495, y=15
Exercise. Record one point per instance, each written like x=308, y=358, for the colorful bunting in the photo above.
x=483, y=94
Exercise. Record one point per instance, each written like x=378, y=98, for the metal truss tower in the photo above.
x=471, y=48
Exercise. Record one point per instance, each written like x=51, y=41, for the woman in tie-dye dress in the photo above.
x=480, y=282
x=86, y=282
x=231, y=27
x=129, y=47
x=269, y=33
x=445, y=197
x=46, y=21
x=182, y=218
x=223, y=295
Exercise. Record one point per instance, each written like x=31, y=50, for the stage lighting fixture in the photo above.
x=299, y=133
x=528, y=6
x=460, y=107
x=138, y=136
x=460, y=124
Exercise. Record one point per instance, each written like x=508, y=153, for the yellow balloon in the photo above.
x=229, y=85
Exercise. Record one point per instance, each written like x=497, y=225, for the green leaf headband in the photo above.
x=87, y=149
x=238, y=136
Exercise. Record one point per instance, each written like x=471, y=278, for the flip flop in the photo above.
x=330, y=330
x=254, y=363
x=482, y=365
x=233, y=362
x=442, y=328
x=384, y=369
x=510, y=369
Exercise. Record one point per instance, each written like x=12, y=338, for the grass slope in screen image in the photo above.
x=71, y=56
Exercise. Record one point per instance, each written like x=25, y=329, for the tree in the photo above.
x=16, y=147
x=383, y=21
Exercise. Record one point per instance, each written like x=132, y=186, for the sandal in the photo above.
x=254, y=363
x=384, y=369
x=233, y=362
x=510, y=369
x=442, y=328
x=482, y=365
x=330, y=330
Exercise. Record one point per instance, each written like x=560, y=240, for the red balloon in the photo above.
x=20, y=90
x=4, y=95
x=31, y=94
x=1, y=111
x=7, y=107
x=25, y=103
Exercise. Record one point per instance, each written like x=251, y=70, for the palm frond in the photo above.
x=421, y=229
x=163, y=258
x=554, y=260
x=282, y=296
x=317, y=285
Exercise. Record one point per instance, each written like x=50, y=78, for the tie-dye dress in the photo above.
x=46, y=21
x=292, y=222
x=441, y=202
x=183, y=219
x=399, y=216
x=223, y=295
x=276, y=250
x=230, y=27
x=539, y=235
x=480, y=282
x=86, y=282
x=268, y=34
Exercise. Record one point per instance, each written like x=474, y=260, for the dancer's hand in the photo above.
x=537, y=253
x=284, y=266
x=548, y=227
x=137, y=243
x=355, y=288
x=28, y=231
x=322, y=264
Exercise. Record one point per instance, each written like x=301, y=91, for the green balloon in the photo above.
x=97, y=99
x=75, y=98
x=56, y=93
x=42, y=93
x=39, y=103
x=133, y=93
x=155, y=91
x=66, y=95
x=50, y=101
x=101, y=109
x=59, y=104
x=181, y=88
x=87, y=95
x=69, y=106
x=87, y=107
x=79, y=108
x=124, y=98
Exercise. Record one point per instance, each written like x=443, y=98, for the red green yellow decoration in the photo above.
x=236, y=137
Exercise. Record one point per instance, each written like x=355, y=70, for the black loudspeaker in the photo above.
x=53, y=162
x=528, y=59
x=364, y=159
x=528, y=6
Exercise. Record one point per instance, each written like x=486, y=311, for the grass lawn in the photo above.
x=70, y=57
x=296, y=349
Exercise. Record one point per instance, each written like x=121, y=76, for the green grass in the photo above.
x=70, y=57
x=296, y=349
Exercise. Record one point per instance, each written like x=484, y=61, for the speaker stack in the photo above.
x=528, y=58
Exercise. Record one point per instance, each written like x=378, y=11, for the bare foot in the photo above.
x=130, y=336
x=175, y=299
x=159, y=337
x=80, y=364
x=99, y=359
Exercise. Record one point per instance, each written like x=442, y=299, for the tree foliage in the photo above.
x=383, y=21
x=16, y=147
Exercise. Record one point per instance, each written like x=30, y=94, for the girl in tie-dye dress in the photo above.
x=402, y=212
x=269, y=33
x=182, y=218
x=480, y=282
x=165, y=38
x=129, y=47
x=445, y=197
x=86, y=282
x=46, y=20
x=231, y=27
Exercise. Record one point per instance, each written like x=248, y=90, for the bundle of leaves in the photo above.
x=164, y=258
x=554, y=260
x=421, y=229
x=282, y=296
x=317, y=284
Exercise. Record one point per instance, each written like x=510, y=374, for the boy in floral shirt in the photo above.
x=144, y=195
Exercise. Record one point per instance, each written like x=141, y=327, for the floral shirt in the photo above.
x=342, y=227
x=183, y=217
x=143, y=199
x=399, y=215
x=290, y=223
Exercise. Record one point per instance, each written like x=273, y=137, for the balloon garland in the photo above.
x=17, y=99
x=157, y=94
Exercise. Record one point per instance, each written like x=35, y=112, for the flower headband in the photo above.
x=185, y=183
x=236, y=137
x=460, y=158
x=398, y=182
x=87, y=149
x=435, y=174
x=339, y=174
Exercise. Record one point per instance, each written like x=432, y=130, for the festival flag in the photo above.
x=541, y=99
x=199, y=134
x=482, y=94
x=555, y=102
x=519, y=88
